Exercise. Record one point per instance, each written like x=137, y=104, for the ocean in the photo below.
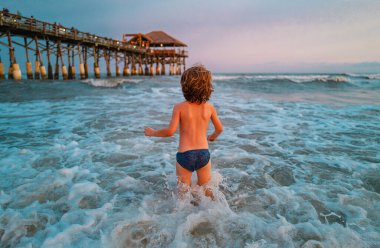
x=298, y=164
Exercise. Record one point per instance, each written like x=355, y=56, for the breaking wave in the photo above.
x=110, y=82
x=285, y=78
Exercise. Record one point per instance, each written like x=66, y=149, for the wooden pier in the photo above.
x=52, y=42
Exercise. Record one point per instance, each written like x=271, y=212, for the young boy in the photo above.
x=193, y=117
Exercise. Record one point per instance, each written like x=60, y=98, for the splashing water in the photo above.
x=298, y=164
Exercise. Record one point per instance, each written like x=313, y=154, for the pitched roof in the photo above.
x=135, y=36
x=160, y=37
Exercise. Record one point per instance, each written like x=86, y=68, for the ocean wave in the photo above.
x=373, y=76
x=225, y=78
x=111, y=82
x=282, y=78
x=363, y=76
x=107, y=83
x=132, y=80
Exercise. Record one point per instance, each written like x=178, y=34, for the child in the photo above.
x=193, y=116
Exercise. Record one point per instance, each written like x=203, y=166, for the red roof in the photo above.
x=160, y=37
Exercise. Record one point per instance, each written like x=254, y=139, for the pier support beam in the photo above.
x=107, y=59
x=170, y=68
x=85, y=64
x=133, y=66
x=158, y=72
x=117, y=70
x=70, y=74
x=29, y=71
x=73, y=63
x=163, y=67
x=14, y=67
x=11, y=56
x=179, y=69
x=50, y=68
x=41, y=67
x=64, y=70
x=95, y=53
x=56, y=69
x=126, y=66
x=140, y=67
x=2, y=73
x=146, y=69
x=82, y=72
x=151, y=71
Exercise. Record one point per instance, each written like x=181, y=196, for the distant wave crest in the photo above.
x=110, y=83
x=286, y=78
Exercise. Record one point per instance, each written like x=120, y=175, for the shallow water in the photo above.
x=298, y=164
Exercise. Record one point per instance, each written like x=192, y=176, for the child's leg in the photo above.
x=204, y=176
x=183, y=179
x=183, y=175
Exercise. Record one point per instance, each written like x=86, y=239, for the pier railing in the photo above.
x=54, y=31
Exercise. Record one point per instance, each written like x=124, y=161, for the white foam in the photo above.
x=78, y=171
x=224, y=77
x=374, y=76
x=127, y=182
x=107, y=83
x=279, y=77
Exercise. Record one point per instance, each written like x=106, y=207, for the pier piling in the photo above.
x=96, y=62
x=63, y=67
x=56, y=69
x=157, y=68
x=14, y=67
x=117, y=70
x=50, y=68
x=42, y=69
x=2, y=73
x=107, y=59
x=70, y=75
x=85, y=62
x=151, y=71
x=133, y=66
x=126, y=66
x=82, y=72
x=29, y=71
x=73, y=63
x=162, y=67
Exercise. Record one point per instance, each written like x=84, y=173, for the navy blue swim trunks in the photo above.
x=194, y=159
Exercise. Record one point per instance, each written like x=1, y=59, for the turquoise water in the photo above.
x=298, y=164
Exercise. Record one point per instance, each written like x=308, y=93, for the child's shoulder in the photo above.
x=179, y=105
x=186, y=104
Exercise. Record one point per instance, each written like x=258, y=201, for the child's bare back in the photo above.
x=193, y=117
x=194, y=121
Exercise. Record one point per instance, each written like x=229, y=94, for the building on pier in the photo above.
x=165, y=50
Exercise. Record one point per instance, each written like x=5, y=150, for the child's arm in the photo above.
x=170, y=130
x=217, y=125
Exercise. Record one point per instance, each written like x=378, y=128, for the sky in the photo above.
x=236, y=36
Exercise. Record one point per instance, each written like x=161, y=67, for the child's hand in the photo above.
x=148, y=131
x=211, y=138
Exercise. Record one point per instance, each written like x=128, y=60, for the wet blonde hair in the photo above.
x=196, y=84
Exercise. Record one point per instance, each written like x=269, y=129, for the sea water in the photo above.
x=298, y=164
